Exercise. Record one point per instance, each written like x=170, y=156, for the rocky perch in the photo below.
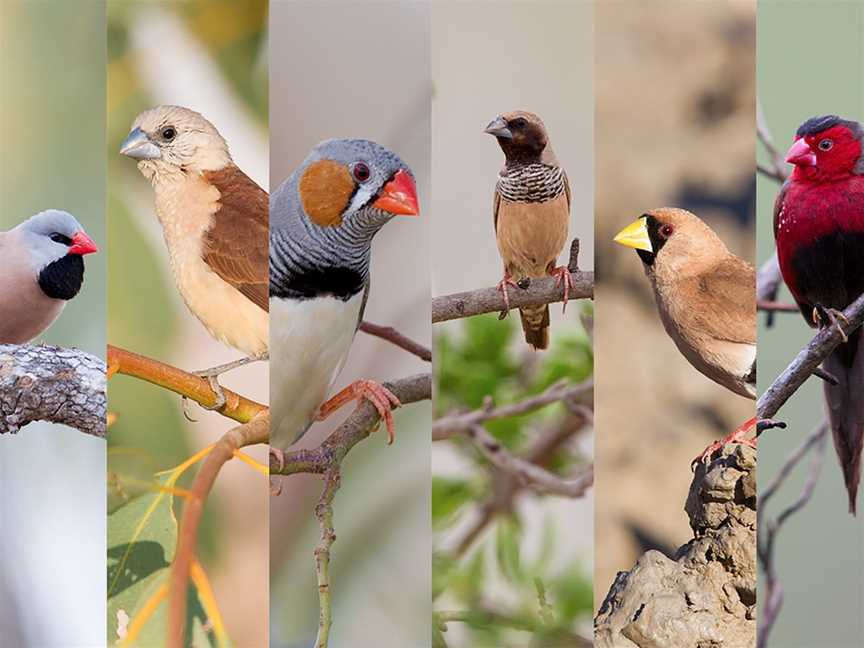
x=706, y=596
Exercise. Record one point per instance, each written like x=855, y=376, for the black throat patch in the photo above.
x=341, y=283
x=62, y=279
x=657, y=241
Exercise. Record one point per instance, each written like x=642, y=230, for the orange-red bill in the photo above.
x=399, y=196
x=82, y=244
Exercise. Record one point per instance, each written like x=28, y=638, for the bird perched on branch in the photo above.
x=531, y=213
x=41, y=268
x=215, y=223
x=819, y=230
x=706, y=297
x=322, y=222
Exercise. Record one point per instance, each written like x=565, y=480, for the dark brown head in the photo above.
x=522, y=136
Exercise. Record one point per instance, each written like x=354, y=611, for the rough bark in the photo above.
x=55, y=384
x=705, y=596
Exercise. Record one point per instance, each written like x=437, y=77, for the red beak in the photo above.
x=800, y=154
x=399, y=196
x=82, y=244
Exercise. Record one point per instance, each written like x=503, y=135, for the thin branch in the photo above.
x=457, y=423
x=530, y=475
x=490, y=300
x=356, y=427
x=254, y=432
x=777, y=307
x=767, y=530
x=236, y=407
x=489, y=617
x=326, y=460
x=778, y=170
x=395, y=337
x=807, y=360
x=54, y=384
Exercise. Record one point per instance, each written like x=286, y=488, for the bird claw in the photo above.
x=212, y=380
x=564, y=279
x=502, y=288
x=381, y=398
x=830, y=317
x=736, y=437
x=185, y=406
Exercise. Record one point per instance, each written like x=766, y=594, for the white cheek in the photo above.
x=363, y=195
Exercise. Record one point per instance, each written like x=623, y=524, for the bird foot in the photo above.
x=564, y=279
x=736, y=437
x=502, y=287
x=823, y=317
x=279, y=456
x=382, y=398
x=212, y=374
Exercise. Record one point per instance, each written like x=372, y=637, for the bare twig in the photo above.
x=326, y=460
x=777, y=171
x=530, y=475
x=777, y=307
x=807, y=360
x=490, y=300
x=457, y=423
x=189, y=385
x=50, y=383
x=768, y=530
x=395, y=337
x=356, y=427
x=254, y=432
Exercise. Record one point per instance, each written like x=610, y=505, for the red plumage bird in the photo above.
x=819, y=229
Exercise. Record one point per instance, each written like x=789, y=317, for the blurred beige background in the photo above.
x=52, y=478
x=491, y=58
x=361, y=69
x=675, y=99
x=210, y=56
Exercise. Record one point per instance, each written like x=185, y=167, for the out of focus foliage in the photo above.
x=547, y=596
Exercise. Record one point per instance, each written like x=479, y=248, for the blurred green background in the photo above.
x=810, y=62
x=211, y=57
x=534, y=56
x=52, y=479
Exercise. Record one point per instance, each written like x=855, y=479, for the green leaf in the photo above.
x=448, y=496
x=507, y=548
x=142, y=537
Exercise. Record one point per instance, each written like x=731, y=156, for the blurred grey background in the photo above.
x=487, y=59
x=674, y=117
x=820, y=552
x=52, y=478
x=361, y=69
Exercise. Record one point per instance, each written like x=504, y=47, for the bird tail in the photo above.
x=845, y=402
x=535, y=323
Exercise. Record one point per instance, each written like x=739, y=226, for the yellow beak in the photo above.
x=635, y=235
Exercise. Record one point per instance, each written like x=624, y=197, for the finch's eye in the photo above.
x=519, y=122
x=169, y=133
x=666, y=231
x=826, y=145
x=60, y=238
x=361, y=172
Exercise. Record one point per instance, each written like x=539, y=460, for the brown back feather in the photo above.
x=236, y=247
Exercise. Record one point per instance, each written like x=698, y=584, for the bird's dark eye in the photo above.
x=60, y=238
x=169, y=133
x=361, y=172
x=826, y=145
x=666, y=231
x=519, y=122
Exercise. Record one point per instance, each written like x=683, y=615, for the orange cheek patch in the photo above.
x=325, y=189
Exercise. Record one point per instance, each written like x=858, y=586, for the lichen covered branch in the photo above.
x=54, y=384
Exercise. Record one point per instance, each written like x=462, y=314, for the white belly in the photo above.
x=309, y=343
